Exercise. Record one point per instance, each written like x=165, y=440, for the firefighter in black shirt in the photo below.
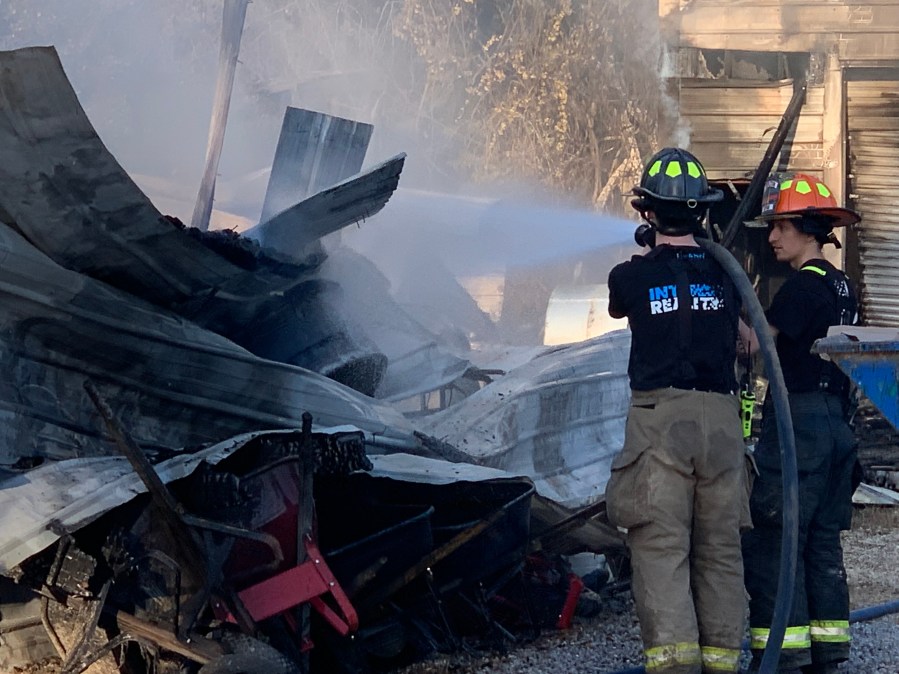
x=801, y=212
x=679, y=484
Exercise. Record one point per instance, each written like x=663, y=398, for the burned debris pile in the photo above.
x=199, y=471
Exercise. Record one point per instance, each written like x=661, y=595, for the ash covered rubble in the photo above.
x=199, y=470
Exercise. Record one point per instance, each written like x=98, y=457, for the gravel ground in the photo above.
x=611, y=641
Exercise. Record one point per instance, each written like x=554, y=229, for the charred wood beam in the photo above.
x=573, y=521
x=80, y=654
x=754, y=191
x=305, y=523
x=203, y=573
x=190, y=556
x=199, y=649
x=116, y=642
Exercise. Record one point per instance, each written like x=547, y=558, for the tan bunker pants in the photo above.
x=680, y=488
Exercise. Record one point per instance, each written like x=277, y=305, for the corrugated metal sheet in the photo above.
x=171, y=382
x=68, y=195
x=356, y=198
x=873, y=114
x=731, y=126
x=60, y=497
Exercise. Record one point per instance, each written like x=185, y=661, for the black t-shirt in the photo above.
x=694, y=350
x=806, y=305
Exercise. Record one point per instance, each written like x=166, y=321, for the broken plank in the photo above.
x=348, y=202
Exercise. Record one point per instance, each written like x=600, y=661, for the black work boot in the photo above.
x=791, y=662
x=754, y=669
x=822, y=668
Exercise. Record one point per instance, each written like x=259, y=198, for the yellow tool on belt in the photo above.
x=747, y=408
x=747, y=396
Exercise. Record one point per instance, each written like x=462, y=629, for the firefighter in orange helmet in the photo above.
x=801, y=213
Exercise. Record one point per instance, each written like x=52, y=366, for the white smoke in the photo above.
x=681, y=131
x=145, y=74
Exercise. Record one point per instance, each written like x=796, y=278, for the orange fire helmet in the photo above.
x=803, y=197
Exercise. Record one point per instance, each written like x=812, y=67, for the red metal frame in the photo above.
x=575, y=586
x=310, y=582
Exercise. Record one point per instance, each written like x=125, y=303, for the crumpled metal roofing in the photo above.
x=558, y=419
x=38, y=507
x=172, y=383
x=73, y=201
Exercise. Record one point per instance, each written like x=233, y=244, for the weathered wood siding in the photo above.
x=847, y=131
x=731, y=126
x=857, y=31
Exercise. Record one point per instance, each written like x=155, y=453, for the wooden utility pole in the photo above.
x=233, y=17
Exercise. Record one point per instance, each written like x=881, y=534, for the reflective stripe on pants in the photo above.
x=830, y=631
x=825, y=460
x=720, y=659
x=671, y=655
x=794, y=637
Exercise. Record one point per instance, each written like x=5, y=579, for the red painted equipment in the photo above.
x=311, y=581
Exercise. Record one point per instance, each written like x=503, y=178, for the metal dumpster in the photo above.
x=870, y=358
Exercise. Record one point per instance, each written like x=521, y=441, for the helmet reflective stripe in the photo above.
x=794, y=637
x=800, y=192
x=672, y=655
x=674, y=169
x=674, y=187
x=724, y=659
x=830, y=631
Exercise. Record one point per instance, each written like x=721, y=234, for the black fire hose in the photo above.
x=786, y=581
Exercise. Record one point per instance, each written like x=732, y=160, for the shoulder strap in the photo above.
x=844, y=302
x=814, y=269
x=832, y=378
x=684, y=316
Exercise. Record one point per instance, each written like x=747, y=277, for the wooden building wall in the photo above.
x=731, y=125
x=846, y=133
x=856, y=30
